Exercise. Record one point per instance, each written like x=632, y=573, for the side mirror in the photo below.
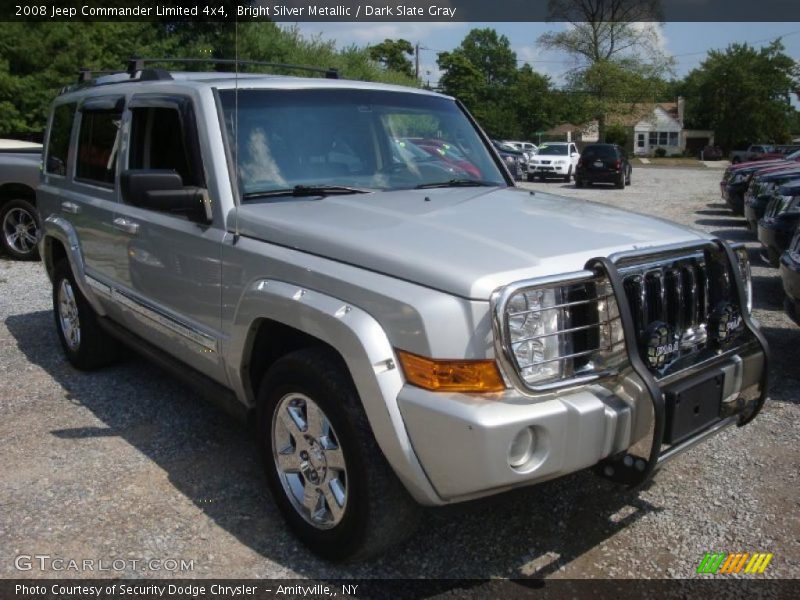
x=163, y=190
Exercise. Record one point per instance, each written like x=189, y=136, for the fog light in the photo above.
x=521, y=448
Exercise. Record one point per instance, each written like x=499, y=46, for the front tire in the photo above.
x=326, y=472
x=86, y=345
x=568, y=176
x=578, y=182
x=19, y=227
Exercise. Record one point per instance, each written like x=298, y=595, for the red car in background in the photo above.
x=449, y=154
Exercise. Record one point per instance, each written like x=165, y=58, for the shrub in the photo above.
x=660, y=153
x=616, y=134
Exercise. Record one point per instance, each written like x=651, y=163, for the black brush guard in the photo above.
x=632, y=470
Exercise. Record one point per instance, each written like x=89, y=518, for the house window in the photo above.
x=663, y=138
x=640, y=140
x=653, y=138
x=673, y=138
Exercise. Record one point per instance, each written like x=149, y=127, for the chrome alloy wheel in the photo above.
x=20, y=230
x=309, y=460
x=68, y=315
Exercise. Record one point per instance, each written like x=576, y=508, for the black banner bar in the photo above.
x=399, y=10
x=396, y=589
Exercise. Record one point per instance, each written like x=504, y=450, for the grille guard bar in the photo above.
x=627, y=469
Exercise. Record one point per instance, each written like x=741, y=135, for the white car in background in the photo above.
x=527, y=148
x=554, y=159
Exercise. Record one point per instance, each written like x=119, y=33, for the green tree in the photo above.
x=38, y=59
x=393, y=55
x=537, y=107
x=616, y=47
x=743, y=94
x=482, y=72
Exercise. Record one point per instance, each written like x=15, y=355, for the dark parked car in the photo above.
x=603, y=163
x=762, y=189
x=737, y=178
x=514, y=159
x=790, y=274
x=777, y=228
x=711, y=153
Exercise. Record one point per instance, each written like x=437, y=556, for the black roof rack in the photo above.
x=138, y=64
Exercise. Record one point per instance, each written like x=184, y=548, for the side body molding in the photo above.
x=366, y=350
x=58, y=228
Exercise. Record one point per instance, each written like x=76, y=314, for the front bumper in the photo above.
x=790, y=275
x=551, y=169
x=734, y=196
x=775, y=235
x=464, y=442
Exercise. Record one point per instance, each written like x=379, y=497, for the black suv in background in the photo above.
x=603, y=163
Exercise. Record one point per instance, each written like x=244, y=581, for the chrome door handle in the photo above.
x=125, y=225
x=70, y=207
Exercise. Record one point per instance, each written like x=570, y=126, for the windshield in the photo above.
x=374, y=140
x=553, y=150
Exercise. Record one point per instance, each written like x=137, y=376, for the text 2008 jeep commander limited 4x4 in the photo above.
x=405, y=329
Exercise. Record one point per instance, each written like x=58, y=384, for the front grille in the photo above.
x=674, y=305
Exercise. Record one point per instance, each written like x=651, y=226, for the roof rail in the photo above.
x=85, y=74
x=138, y=64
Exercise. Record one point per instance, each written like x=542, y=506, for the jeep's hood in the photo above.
x=465, y=241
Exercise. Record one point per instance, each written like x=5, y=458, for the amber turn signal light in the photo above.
x=470, y=376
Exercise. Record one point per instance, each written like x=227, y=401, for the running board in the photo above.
x=211, y=390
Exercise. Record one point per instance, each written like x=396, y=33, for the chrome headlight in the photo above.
x=558, y=331
x=743, y=261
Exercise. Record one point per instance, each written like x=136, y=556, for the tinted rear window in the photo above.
x=599, y=152
x=58, y=144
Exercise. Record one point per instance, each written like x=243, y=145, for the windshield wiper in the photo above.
x=457, y=183
x=306, y=190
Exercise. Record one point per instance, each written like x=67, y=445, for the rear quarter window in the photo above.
x=58, y=142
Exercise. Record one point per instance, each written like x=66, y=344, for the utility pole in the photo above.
x=416, y=61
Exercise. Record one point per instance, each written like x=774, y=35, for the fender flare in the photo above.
x=365, y=348
x=59, y=229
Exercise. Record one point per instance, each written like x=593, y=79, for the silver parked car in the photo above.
x=406, y=330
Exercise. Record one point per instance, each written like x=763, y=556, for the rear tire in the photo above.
x=621, y=181
x=19, y=229
x=310, y=418
x=628, y=180
x=86, y=344
x=579, y=182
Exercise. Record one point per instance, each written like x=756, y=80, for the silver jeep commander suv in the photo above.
x=407, y=327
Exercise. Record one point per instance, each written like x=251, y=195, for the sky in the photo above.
x=687, y=42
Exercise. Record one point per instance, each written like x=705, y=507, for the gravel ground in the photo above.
x=127, y=464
